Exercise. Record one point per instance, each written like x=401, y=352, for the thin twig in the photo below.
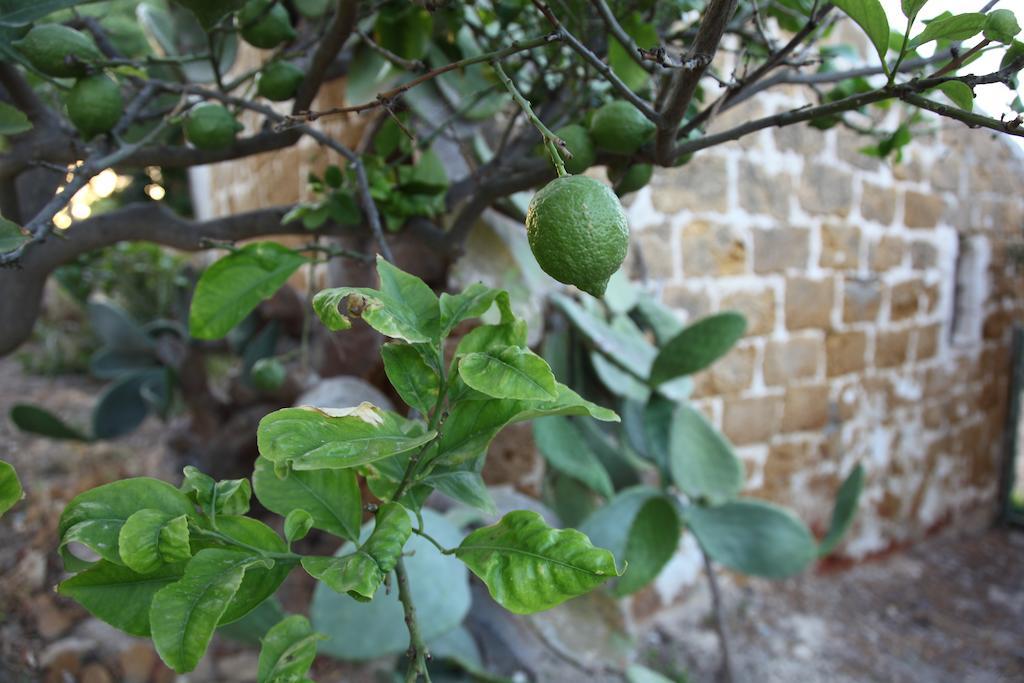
x=726, y=673
x=418, y=653
x=634, y=51
x=554, y=144
x=397, y=60
x=391, y=94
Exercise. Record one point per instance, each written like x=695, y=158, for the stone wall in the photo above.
x=879, y=298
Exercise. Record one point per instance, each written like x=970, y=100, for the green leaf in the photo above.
x=390, y=532
x=617, y=380
x=287, y=651
x=11, y=235
x=118, y=595
x=911, y=8
x=405, y=29
x=959, y=94
x=297, y=524
x=357, y=574
x=121, y=407
x=609, y=525
x=312, y=439
x=510, y=373
x=414, y=293
x=427, y=176
x=1001, y=26
x=870, y=16
x=260, y=582
x=10, y=487
x=233, y=286
x=184, y=614
x=645, y=35
x=228, y=497
x=472, y=424
x=151, y=538
x=698, y=346
x=702, y=462
x=565, y=449
x=753, y=537
x=951, y=27
x=94, y=518
x=117, y=330
x=660, y=318
x=465, y=487
x=641, y=674
x=652, y=541
x=844, y=511
x=487, y=338
x=36, y=420
x=367, y=630
x=391, y=317
x=12, y=122
x=472, y=302
x=528, y=566
x=251, y=628
x=20, y=13
x=630, y=352
x=416, y=382
x=331, y=496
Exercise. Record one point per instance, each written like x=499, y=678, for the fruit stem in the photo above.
x=555, y=145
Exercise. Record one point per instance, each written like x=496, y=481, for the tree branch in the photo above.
x=684, y=82
x=615, y=28
x=338, y=32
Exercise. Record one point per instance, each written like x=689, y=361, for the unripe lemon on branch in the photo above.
x=578, y=232
x=211, y=126
x=620, y=128
x=94, y=105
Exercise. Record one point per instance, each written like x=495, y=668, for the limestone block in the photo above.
x=793, y=359
x=700, y=185
x=921, y=210
x=781, y=248
x=862, y=300
x=713, y=249
x=806, y=408
x=757, y=305
x=809, y=302
x=751, y=420
x=845, y=352
x=840, y=246
x=825, y=189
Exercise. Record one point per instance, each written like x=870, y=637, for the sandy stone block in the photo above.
x=793, y=359
x=886, y=253
x=921, y=210
x=786, y=460
x=862, y=300
x=732, y=373
x=878, y=203
x=777, y=249
x=928, y=339
x=763, y=192
x=809, y=302
x=712, y=250
x=825, y=189
x=757, y=305
x=904, y=299
x=923, y=255
x=806, y=408
x=700, y=185
x=891, y=348
x=804, y=140
x=751, y=420
x=848, y=146
x=840, y=246
x=694, y=300
x=655, y=245
x=845, y=352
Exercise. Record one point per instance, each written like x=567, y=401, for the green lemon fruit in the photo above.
x=58, y=51
x=211, y=126
x=265, y=28
x=312, y=9
x=577, y=139
x=578, y=232
x=620, y=128
x=210, y=12
x=278, y=81
x=268, y=374
x=626, y=179
x=94, y=105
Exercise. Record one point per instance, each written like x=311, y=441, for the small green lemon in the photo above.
x=278, y=81
x=577, y=139
x=268, y=374
x=626, y=179
x=211, y=126
x=210, y=12
x=94, y=105
x=578, y=232
x=263, y=27
x=58, y=51
x=620, y=128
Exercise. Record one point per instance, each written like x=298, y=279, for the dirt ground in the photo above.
x=949, y=609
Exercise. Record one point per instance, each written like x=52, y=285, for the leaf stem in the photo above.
x=434, y=541
x=552, y=142
x=418, y=654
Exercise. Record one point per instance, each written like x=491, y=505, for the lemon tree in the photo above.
x=436, y=115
